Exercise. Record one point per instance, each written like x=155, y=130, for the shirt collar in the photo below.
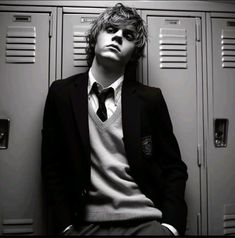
x=117, y=85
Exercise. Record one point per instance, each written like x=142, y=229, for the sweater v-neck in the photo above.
x=105, y=124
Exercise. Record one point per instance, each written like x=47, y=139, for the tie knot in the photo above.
x=102, y=94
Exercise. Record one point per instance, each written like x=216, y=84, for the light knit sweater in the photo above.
x=114, y=195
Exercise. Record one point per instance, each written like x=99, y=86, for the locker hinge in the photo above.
x=198, y=29
x=199, y=155
x=50, y=25
x=199, y=224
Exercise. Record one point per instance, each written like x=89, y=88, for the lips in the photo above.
x=115, y=47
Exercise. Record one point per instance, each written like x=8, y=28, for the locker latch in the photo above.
x=220, y=132
x=4, y=133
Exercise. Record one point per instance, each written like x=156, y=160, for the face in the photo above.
x=116, y=44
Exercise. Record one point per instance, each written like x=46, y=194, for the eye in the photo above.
x=110, y=29
x=129, y=35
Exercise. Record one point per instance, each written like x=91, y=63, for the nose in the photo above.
x=118, y=36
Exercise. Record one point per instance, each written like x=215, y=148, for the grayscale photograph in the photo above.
x=117, y=118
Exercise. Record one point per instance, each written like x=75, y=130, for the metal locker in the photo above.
x=24, y=67
x=221, y=128
x=75, y=25
x=171, y=64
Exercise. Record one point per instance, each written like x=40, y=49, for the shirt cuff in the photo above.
x=171, y=228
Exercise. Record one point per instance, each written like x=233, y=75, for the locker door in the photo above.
x=221, y=149
x=24, y=54
x=172, y=66
x=75, y=26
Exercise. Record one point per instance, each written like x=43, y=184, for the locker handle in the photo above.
x=21, y=18
x=4, y=133
x=220, y=132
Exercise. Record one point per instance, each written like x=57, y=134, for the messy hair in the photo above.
x=119, y=15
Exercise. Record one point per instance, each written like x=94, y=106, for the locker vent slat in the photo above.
x=20, y=230
x=229, y=219
x=17, y=226
x=21, y=44
x=27, y=221
x=79, y=48
x=173, y=48
x=228, y=48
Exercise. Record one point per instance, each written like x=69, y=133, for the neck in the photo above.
x=106, y=74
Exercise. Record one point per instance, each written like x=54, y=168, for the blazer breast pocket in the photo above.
x=147, y=146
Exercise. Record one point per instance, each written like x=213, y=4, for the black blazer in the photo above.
x=151, y=148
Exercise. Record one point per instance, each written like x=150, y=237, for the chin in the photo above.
x=110, y=57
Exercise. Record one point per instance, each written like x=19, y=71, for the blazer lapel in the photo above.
x=131, y=121
x=80, y=107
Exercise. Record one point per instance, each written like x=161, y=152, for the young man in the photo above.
x=110, y=160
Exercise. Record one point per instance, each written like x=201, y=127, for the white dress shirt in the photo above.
x=110, y=102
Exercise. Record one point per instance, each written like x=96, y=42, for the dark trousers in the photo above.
x=128, y=228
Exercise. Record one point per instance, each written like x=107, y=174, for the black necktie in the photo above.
x=102, y=112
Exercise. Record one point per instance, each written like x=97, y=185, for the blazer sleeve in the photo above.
x=52, y=163
x=174, y=170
